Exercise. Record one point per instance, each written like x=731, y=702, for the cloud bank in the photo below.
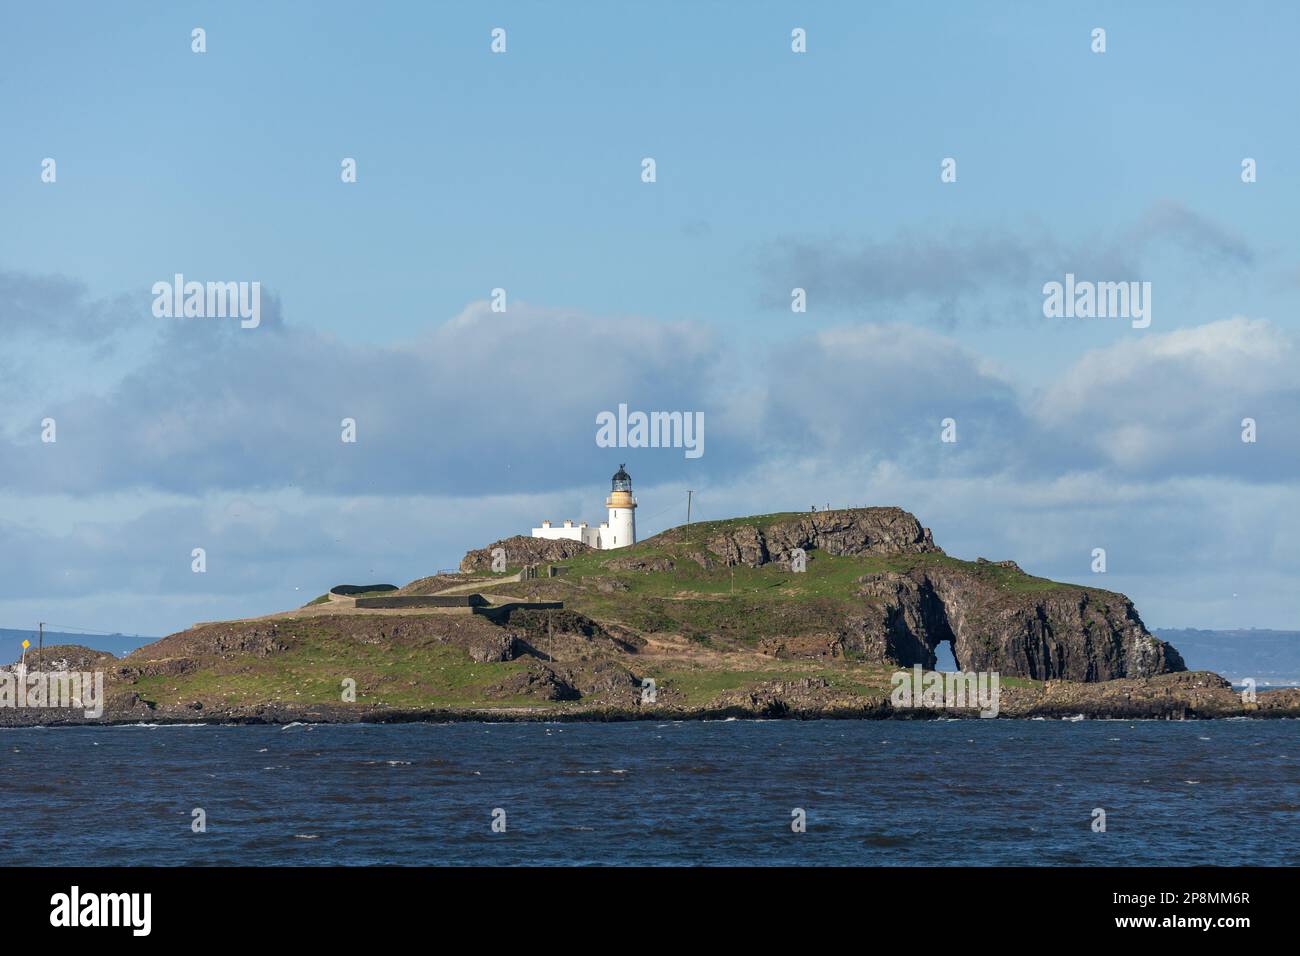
x=229, y=439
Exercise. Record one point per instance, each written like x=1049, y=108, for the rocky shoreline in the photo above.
x=1194, y=695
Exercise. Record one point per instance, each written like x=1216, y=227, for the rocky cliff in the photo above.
x=522, y=550
x=858, y=532
x=995, y=617
x=1060, y=632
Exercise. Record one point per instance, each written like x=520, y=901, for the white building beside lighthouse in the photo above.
x=618, y=532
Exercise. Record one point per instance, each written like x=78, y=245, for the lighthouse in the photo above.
x=618, y=532
x=621, y=527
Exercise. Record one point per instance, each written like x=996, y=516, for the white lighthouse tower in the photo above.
x=621, y=528
x=618, y=532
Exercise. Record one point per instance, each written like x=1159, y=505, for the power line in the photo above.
x=658, y=513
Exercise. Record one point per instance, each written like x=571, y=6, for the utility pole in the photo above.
x=688, y=506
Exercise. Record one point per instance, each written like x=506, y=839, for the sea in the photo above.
x=739, y=792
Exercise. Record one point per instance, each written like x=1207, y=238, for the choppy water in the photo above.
x=875, y=793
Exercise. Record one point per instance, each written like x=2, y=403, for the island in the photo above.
x=823, y=614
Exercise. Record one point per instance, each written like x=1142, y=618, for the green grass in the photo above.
x=720, y=607
x=826, y=576
x=749, y=604
x=430, y=677
x=425, y=675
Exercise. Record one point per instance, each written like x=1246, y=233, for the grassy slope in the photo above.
x=742, y=603
x=423, y=674
x=722, y=609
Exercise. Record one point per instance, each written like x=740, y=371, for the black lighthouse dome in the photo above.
x=622, y=480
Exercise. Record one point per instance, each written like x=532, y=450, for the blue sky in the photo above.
x=522, y=170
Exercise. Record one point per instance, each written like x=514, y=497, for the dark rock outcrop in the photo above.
x=206, y=644
x=65, y=657
x=540, y=631
x=858, y=531
x=522, y=550
x=1175, y=696
x=1010, y=626
x=640, y=564
x=803, y=697
x=539, y=681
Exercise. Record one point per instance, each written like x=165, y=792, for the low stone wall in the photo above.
x=499, y=613
x=347, y=590
x=423, y=600
x=473, y=603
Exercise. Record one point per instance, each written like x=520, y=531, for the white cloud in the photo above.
x=1172, y=403
x=229, y=440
